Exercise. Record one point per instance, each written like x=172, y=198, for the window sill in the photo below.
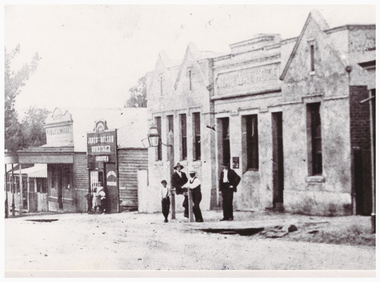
x=315, y=179
x=312, y=73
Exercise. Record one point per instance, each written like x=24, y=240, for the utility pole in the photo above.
x=171, y=164
x=13, y=194
x=6, y=193
x=21, y=197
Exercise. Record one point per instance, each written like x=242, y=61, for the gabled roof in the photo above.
x=163, y=62
x=191, y=53
x=177, y=67
x=318, y=18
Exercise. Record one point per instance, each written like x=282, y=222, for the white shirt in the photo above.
x=164, y=192
x=225, y=176
x=195, y=183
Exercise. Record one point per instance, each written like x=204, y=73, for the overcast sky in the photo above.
x=92, y=55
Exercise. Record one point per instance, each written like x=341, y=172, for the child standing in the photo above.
x=165, y=199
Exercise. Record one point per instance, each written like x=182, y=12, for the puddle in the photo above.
x=233, y=231
x=42, y=220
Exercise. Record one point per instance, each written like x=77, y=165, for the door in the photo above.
x=60, y=192
x=112, y=189
x=278, y=162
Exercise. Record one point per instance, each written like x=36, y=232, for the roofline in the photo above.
x=350, y=27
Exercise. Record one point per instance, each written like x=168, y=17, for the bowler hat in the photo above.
x=192, y=171
x=178, y=165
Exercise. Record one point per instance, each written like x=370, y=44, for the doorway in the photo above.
x=278, y=162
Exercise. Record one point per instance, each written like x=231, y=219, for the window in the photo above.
x=66, y=177
x=197, y=136
x=252, y=142
x=226, y=140
x=312, y=55
x=161, y=86
x=159, y=147
x=183, y=136
x=314, y=138
x=190, y=86
x=170, y=124
x=170, y=132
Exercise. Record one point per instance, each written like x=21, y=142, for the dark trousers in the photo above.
x=185, y=204
x=228, y=196
x=165, y=203
x=197, y=197
x=103, y=205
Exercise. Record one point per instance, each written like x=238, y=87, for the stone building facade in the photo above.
x=288, y=114
x=324, y=121
x=179, y=102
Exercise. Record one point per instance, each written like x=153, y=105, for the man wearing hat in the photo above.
x=228, y=182
x=194, y=186
x=179, y=178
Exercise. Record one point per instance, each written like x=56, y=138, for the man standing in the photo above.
x=179, y=178
x=228, y=182
x=194, y=186
x=165, y=199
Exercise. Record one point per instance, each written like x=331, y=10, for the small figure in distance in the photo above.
x=165, y=199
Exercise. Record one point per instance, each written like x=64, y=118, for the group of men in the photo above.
x=228, y=182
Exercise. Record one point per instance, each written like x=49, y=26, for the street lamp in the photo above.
x=154, y=140
x=153, y=136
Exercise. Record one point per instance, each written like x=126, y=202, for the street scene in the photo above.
x=215, y=138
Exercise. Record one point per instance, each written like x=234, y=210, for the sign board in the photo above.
x=255, y=79
x=59, y=128
x=235, y=162
x=101, y=147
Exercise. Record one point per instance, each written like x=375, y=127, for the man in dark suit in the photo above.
x=179, y=178
x=228, y=181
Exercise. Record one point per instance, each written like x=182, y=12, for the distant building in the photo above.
x=82, y=153
x=290, y=115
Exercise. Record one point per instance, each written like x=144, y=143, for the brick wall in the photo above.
x=360, y=150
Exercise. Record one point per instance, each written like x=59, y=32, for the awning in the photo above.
x=38, y=171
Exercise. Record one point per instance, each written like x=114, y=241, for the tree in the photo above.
x=137, y=98
x=13, y=83
x=32, y=125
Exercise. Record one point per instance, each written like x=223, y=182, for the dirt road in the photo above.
x=131, y=241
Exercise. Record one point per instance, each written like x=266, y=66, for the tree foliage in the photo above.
x=137, y=98
x=13, y=83
x=32, y=125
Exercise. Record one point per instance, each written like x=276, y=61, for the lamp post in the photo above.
x=154, y=140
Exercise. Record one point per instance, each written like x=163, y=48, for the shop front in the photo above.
x=102, y=165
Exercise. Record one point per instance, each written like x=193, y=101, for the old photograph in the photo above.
x=179, y=140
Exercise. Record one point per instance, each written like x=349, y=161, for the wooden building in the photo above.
x=67, y=158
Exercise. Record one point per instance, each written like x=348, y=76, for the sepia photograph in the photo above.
x=215, y=140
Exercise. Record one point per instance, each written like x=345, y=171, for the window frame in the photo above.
x=197, y=136
x=183, y=135
x=158, y=122
x=314, y=129
x=252, y=139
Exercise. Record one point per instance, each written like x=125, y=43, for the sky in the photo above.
x=91, y=55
